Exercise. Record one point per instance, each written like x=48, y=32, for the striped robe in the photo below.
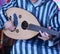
x=47, y=15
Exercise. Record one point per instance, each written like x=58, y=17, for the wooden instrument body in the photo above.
x=22, y=15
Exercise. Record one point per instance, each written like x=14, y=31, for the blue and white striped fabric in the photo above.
x=47, y=14
x=33, y=47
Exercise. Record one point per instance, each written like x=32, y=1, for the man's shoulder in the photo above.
x=52, y=2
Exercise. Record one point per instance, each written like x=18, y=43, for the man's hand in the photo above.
x=44, y=35
x=9, y=25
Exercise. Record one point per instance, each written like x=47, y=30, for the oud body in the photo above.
x=22, y=19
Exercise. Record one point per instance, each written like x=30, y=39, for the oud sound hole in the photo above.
x=24, y=25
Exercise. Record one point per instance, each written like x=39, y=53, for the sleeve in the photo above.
x=3, y=9
x=54, y=21
x=12, y=3
x=1, y=25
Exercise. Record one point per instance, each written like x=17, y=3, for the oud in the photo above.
x=26, y=24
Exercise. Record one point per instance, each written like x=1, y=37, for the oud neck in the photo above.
x=37, y=28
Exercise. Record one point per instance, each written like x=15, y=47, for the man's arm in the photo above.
x=3, y=18
x=53, y=14
x=12, y=3
x=54, y=20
